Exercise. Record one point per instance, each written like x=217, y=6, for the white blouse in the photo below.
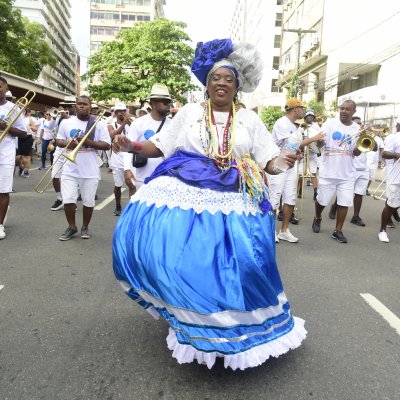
x=187, y=131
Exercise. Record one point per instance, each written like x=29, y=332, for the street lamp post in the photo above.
x=296, y=83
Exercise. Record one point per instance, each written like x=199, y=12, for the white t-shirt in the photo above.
x=47, y=127
x=373, y=156
x=86, y=161
x=29, y=121
x=186, y=131
x=7, y=145
x=117, y=159
x=143, y=129
x=283, y=128
x=392, y=144
x=337, y=162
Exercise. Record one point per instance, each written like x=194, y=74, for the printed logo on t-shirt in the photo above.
x=341, y=138
x=74, y=132
x=148, y=134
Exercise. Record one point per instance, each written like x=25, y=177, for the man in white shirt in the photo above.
x=84, y=175
x=119, y=127
x=284, y=184
x=337, y=172
x=7, y=151
x=391, y=153
x=25, y=145
x=143, y=129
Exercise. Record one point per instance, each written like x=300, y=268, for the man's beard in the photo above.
x=164, y=113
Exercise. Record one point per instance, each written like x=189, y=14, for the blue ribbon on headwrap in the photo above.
x=207, y=54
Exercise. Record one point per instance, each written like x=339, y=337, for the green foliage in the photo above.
x=24, y=50
x=269, y=115
x=149, y=53
x=321, y=113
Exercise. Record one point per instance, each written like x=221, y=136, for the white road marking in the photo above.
x=381, y=309
x=1, y=287
x=107, y=201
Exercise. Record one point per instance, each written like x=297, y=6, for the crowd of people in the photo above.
x=196, y=243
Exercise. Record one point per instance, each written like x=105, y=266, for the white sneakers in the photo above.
x=383, y=237
x=2, y=232
x=288, y=236
x=276, y=238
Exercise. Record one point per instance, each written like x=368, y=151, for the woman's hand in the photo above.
x=121, y=143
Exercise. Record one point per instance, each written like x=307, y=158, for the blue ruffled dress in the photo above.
x=188, y=248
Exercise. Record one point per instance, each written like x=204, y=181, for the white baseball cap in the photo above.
x=120, y=107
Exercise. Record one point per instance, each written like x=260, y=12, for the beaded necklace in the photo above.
x=223, y=154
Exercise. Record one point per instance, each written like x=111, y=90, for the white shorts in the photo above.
x=372, y=172
x=6, y=178
x=393, y=196
x=118, y=175
x=57, y=168
x=328, y=188
x=86, y=186
x=313, y=165
x=283, y=185
x=361, y=183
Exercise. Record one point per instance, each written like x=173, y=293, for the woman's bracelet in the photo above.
x=137, y=146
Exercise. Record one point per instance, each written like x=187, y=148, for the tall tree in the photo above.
x=24, y=50
x=149, y=53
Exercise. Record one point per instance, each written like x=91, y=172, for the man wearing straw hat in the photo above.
x=143, y=129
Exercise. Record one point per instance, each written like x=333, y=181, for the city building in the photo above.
x=259, y=22
x=55, y=16
x=108, y=17
x=343, y=50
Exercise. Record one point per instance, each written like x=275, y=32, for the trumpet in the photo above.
x=19, y=107
x=388, y=179
x=54, y=112
x=69, y=156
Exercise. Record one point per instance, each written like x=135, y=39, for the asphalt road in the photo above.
x=67, y=331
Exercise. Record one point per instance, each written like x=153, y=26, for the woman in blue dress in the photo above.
x=196, y=244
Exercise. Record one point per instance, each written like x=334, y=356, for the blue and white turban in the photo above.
x=242, y=59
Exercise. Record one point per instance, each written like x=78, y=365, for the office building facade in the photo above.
x=55, y=17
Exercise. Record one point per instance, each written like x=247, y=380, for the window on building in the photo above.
x=275, y=63
x=274, y=87
x=278, y=19
x=277, y=41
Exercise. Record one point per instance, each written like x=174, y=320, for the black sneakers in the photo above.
x=357, y=221
x=338, y=235
x=58, y=205
x=117, y=211
x=316, y=225
x=293, y=220
x=332, y=212
x=280, y=216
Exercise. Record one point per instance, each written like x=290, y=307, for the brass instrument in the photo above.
x=19, y=107
x=388, y=179
x=68, y=156
x=353, y=136
x=54, y=112
x=366, y=142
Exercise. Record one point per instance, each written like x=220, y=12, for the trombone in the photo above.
x=387, y=181
x=19, y=107
x=365, y=142
x=69, y=156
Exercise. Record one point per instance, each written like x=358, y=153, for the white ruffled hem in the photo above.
x=250, y=358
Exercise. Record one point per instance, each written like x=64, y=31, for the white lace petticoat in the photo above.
x=171, y=192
